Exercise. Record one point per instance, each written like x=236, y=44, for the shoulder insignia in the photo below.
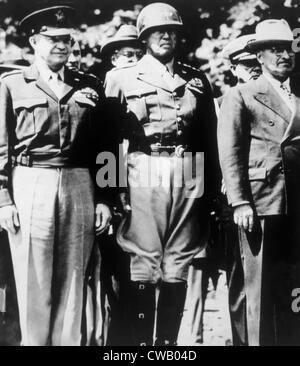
x=188, y=67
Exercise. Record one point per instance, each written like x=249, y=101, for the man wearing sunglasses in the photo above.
x=258, y=137
x=48, y=201
x=124, y=48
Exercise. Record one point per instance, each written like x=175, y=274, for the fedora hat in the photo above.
x=126, y=35
x=236, y=49
x=270, y=31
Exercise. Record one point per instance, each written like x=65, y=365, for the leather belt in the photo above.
x=158, y=148
x=42, y=162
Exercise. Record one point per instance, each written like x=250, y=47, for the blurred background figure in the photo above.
x=74, y=61
x=124, y=48
x=243, y=64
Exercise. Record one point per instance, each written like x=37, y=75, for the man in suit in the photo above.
x=165, y=109
x=50, y=131
x=258, y=134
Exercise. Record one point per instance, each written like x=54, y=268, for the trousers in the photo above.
x=167, y=226
x=50, y=251
x=271, y=272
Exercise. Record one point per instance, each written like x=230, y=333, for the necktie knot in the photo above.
x=55, y=83
x=286, y=90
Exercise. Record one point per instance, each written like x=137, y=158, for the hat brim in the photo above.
x=111, y=45
x=261, y=44
x=245, y=56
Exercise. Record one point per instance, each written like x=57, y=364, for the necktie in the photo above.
x=286, y=90
x=288, y=97
x=56, y=84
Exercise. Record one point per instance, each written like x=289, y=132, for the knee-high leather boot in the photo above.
x=169, y=313
x=141, y=309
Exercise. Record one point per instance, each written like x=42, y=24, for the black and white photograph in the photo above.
x=149, y=175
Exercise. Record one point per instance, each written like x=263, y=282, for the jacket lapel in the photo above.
x=147, y=72
x=179, y=77
x=268, y=96
x=293, y=129
x=69, y=81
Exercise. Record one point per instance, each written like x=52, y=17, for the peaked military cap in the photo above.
x=237, y=51
x=51, y=21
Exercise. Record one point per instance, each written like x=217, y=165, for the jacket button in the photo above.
x=271, y=123
x=179, y=119
x=179, y=132
x=281, y=169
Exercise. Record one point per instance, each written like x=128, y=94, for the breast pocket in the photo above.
x=32, y=113
x=144, y=103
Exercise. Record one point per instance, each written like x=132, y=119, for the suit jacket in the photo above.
x=150, y=110
x=34, y=122
x=258, y=146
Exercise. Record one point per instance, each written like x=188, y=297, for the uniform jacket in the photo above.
x=149, y=110
x=34, y=122
x=258, y=146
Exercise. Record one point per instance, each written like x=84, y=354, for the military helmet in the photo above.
x=157, y=15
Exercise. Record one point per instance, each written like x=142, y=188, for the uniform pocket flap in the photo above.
x=29, y=103
x=138, y=93
x=257, y=173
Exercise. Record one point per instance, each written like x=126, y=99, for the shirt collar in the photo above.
x=47, y=73
x=160, y=67
x=276, y=83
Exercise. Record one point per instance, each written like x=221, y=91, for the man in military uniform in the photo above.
x=165, y=110
x=49, y=138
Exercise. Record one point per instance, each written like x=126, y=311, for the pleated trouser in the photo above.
x=50, y=252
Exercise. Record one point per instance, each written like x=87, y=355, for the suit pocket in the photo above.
x=144, y=103
x=32, y=113
x=257, y=174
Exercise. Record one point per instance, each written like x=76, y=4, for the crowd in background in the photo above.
x=210, y=25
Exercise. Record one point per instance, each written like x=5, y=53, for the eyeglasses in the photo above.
x=131, y=54
x=279, y=50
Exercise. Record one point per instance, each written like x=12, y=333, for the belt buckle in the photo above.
x=179, y=151
x=26, y=160
x=156, y=147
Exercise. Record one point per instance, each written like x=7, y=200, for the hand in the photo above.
x=124, y=203
x=103, y=217
x=223, y=188
x=243, y=217
x=9, y=219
